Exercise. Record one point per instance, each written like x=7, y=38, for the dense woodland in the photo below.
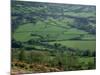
x=51, y=37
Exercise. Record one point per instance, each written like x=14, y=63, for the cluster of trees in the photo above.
x=88, y=53
x=85, y=24
x=57, y=56
x=16, y=44
x=64, y=61
x=55, y=47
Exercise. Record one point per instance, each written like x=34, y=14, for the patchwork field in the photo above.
x=50, y=37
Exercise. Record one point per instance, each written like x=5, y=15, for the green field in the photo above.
x=50, y=32
x=83, y=45
x=23, y=33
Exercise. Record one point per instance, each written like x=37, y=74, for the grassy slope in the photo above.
x=23, y=33
x=41, y=28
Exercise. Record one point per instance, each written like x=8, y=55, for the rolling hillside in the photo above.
x=51, y=34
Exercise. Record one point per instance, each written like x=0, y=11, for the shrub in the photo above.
x=21, y=55
x=86, y=53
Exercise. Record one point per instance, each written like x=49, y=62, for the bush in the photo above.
x=86, y=53
x=91, y=65
x=16, y=44
x=94, y=53
x=66, y=60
